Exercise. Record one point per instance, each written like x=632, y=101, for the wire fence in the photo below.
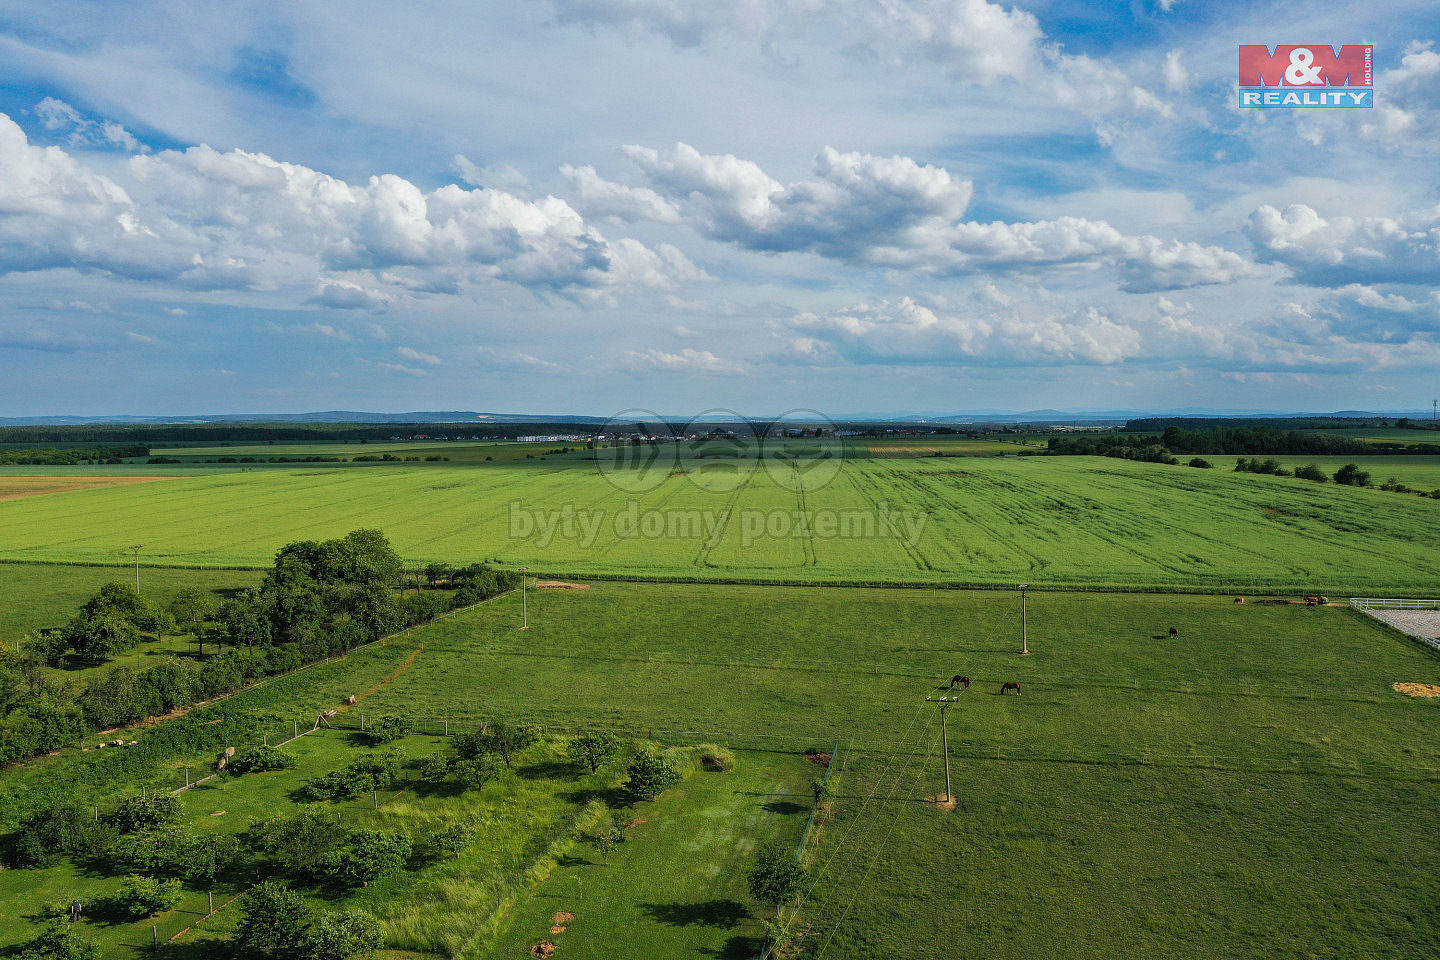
x=1417, y=618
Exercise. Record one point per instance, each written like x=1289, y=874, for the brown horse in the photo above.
x=1010, y=685
x=1174, y=633
x=959, y=681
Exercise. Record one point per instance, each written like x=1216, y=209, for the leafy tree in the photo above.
x=505, y=739
x=342, y=935
x=593, y=749
x=774, y=876
x=60, y=941
x=474, y=774
x=274, y=918
x=648, y=773
x=370, y=854
x=207, y=856
x=100, y=636
x=301, y=844
x=141, y=897
x=449, y=839
x=146, y=813
x=386, y=729
x=191, y=607
x=161, y=850
x=59, y=831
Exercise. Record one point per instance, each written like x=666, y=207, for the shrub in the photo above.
x=774, y=876
x=1351, y=475
x=1200, y=462
x=60, y=941
x=448, y=839
x=362, y=776
x=1311, y=472
x=649, y=773
x=141, y=897
x=261, y=760
x=387, y=729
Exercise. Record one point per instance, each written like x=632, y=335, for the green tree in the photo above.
x=593, y=749
x=648, y=773
x=191, y=607
x=342, y=935
x=100, y=636
x=146, y=813
x=505, y=739
x=274, y=918
x=774, y=876
x=449, y=839
x=386, y=729
x=141, y=897
x=370, y=854
x=60, y=941
x=474, y=774
x=205, y=857
x=301, y=844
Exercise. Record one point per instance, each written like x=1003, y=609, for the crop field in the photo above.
x=1054, y=521
x=15, y=487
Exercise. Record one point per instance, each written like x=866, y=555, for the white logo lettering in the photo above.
x=1300, y=72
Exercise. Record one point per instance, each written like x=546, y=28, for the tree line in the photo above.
x=319, y=599
x=70, y=456
x=1244, y=441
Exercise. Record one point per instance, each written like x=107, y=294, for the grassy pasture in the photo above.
x=943, y=446
x=1056, y=521
x=1208, y=796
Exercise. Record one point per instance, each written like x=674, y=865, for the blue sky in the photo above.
x=587, y=205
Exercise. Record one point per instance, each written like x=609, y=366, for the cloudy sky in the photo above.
x=586, y=205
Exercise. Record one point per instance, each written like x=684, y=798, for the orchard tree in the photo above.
x=371, y=854
x=594, y=749
x=648, y=773
x=274, y=919
x=343, y=935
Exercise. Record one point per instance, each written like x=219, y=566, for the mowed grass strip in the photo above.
x=1067, y=861
x=1054, y=521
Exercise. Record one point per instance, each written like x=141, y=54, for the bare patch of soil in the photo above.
x=820, y=759
x=940, y=803
x=1417, y=689
x=560, y=585
x=562, y=920
x=15, y=488
x=544, y=948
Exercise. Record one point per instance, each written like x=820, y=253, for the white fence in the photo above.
x=1419, y=618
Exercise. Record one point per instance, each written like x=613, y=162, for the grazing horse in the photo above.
x=1010, y=685
x=959, y=681
x=1174, y=633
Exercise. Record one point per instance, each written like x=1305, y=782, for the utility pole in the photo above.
x=524, y=602
x=136, y=548
x=1433, y=406
x=1024, y=632
x=945, y=739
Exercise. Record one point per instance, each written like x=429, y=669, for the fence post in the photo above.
x=211, y=895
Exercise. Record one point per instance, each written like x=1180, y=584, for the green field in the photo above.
x=1052, y=521
x=1420, y=473
x=1255, y=788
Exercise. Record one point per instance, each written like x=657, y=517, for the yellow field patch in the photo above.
x=1417, y=689
x=14, y=488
